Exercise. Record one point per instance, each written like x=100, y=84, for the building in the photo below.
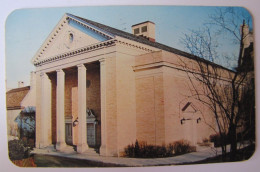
x=99, y=87
x=18, y=101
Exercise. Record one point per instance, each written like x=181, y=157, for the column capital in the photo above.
x=59, y=71
x=81, y=66
x=42, y=74
x=102, y=61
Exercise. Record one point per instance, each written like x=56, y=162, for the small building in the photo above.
x=100, y=87
x=20, y=101
x=14, y=98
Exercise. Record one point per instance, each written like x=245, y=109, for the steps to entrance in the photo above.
x=66, y=150
x=91, y=152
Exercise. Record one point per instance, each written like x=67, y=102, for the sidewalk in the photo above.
x=201, y=154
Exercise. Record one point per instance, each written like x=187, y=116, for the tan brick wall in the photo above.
x=145, y=117
x=126, y=115
x=150, y=123
x=71, y=80
x=53, y=78
x=159, y=109
x=111, y=107
x=93, y=96
x=74, y=109
x=177, y=91
x=160, y=98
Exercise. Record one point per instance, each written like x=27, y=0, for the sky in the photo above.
x=27, y=29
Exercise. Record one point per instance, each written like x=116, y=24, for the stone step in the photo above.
x=91, y=151
x=68, y=149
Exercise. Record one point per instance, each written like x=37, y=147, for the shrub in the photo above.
x=218, y=140
x=18, y=149
x=182, y=147
x=214, y=137
x=144, y=150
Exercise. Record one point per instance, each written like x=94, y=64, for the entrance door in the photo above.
x=68, y=132
x=190, y=131
x=91, y=137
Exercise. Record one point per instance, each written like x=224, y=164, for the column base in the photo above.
x=43, y=145
x=82, y=148
x=61, y=146
x=102, y=150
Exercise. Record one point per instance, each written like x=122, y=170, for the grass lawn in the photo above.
x=55, y=161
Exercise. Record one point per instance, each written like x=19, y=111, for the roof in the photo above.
x=15, y=96
x=143, y=23
x=143, y=40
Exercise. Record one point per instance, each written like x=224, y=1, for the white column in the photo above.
x=103, y=105
x=82, y=130
x=45, y=111
x=60, y=118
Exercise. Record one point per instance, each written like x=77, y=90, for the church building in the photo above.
x=103, y=88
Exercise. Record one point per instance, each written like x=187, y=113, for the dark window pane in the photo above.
x=144, y=29
x=136, y=31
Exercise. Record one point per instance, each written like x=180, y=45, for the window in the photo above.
x=71, y=37
x=144, y=29
x=136, y=31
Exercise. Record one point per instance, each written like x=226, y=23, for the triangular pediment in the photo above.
x=189, y=108
x=71, y=33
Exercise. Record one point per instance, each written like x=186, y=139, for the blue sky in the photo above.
x=26, y=29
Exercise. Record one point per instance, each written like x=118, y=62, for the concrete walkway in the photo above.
x=201, y=154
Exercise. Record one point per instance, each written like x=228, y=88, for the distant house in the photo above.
x=19, y=101
x=14, y=97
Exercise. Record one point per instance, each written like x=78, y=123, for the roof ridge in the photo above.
x=143, y=40
x=18, y=89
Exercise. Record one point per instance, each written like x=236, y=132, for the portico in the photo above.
x=71, y=79
x=66, y=93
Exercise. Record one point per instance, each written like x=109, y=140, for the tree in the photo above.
x=26, y=122
x=224, y=91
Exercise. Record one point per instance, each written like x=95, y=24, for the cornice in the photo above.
x=159, y=64
x=92, y=48
x=89, y=26
x=135, y=45
x=75, y=52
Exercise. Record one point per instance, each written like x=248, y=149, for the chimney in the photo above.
x=145, y=29
x=32, y=80
x=244, y=30
x=20, y=84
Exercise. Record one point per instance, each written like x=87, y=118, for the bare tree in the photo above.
x=222, y=90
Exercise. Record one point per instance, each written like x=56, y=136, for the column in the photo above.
x=82, y=130
x=103, y=105
x=45, y=111
x=60, y=111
